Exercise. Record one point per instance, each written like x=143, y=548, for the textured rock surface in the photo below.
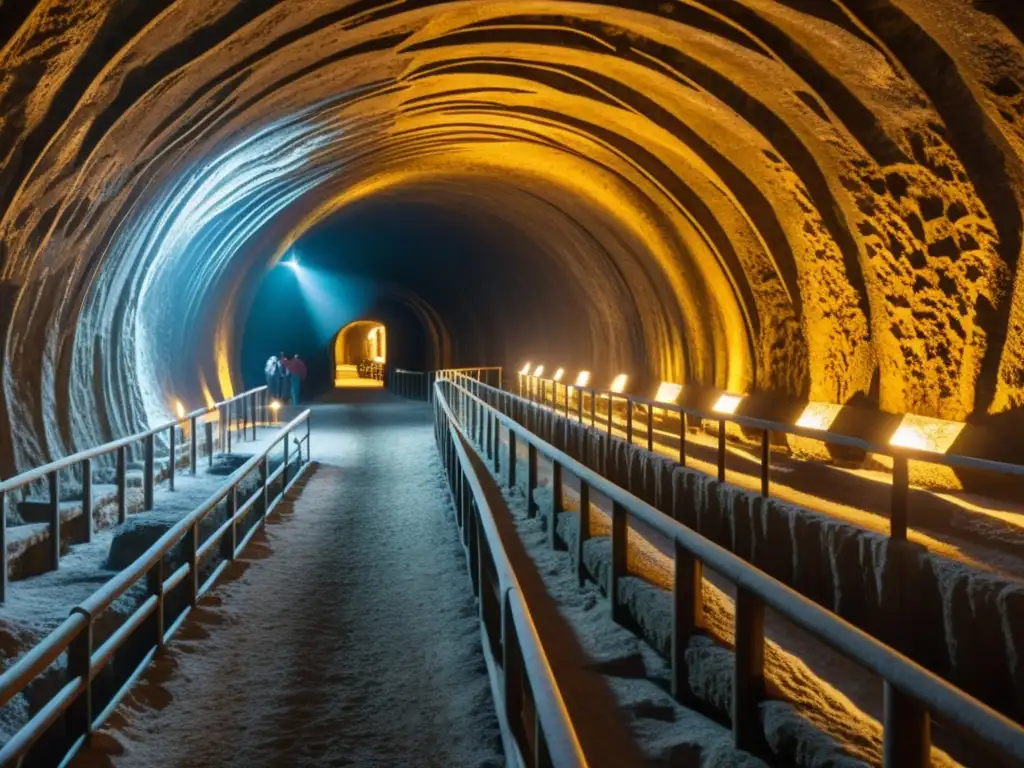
x=814, y=197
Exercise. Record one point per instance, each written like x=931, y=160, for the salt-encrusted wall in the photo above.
x=820, y=197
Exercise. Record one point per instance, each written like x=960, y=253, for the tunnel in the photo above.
x=814, y=207
x=817, y=199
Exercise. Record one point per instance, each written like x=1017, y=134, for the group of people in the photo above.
x=284, y=377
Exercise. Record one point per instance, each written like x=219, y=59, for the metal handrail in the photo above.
x=833, y=438
x=900, y=455
x=560, y=739
x=75, y=637
x=39, y=473
x=250, y=401
x=911, y=691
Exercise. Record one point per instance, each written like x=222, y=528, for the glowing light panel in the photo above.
x=926, y=434
x=179, y=409
x=819, y=416
x=539, y=370
x=727, y=404
x=619, y=385
x=668, y=392
x=526, y=370
x=559, y=374
x=583, y=379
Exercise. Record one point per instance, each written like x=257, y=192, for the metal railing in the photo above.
x=419, y=385
x=912, y=694
x=371, y=370
x=575, y=400
x=234, y=415
x=74, y=702
x=409, y=384
x=550, y=740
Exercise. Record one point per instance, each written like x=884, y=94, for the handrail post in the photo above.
x=650, y=428
x=900, y=488
x=583, y=532
x=682, y=439
x=172, y=457
x=531, y=486
x=230, y=541
x=78, y=715
x=611, y=397
x=512, y=670
x=122, y=484
x=209, y=442
x=87, y=498
x=766, y=462
x=512, y=459
x=284, y=472
x=748, y=672
x=3, y=547
x=629, y=419
x=721, y=450
x=155, y=586
x=193, y=448
x=497, y=444
x=53, y=480
x=265, y=483
x=907, y=730
x=192, y=556
x=229, y=410
x=687, y=614
x=147, y=480
x=620, y=530
x=557, y=503
x=254, y=408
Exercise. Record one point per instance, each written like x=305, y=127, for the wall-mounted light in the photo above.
x=538, y=371
x=727, y=404
x=619, y=384
x=819, y=416
x=526, y=370
x=179, y=409
x=559, y=374
x=668, y=392
x=926, y=434
x=275, y=405
x=292, y=263
x=583, y=379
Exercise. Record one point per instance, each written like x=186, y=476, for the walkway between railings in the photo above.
x=348, y=635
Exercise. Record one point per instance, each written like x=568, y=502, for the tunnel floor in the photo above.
x=346, y=636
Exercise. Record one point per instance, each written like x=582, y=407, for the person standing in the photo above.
x=281, y=383
x=272, y=370
x=296, y=373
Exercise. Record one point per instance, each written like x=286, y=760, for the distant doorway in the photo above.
x=360, y=352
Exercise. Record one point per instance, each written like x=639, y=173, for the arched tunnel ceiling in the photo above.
x=817, y=197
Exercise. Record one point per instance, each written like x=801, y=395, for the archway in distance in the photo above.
x=360, y=351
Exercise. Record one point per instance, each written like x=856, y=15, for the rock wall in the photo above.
x=814, y=198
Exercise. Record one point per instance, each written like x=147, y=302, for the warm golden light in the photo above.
x=372, y=334
x=526, y=370
x=539, y=370
x=819, y=416
x=275, y=406
x=926, y=434
x=583, y=379
x=619, y=385
x=668, y=392
x=378, y=359
x=179, y=408
x=559, y=374
x=727, y=404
